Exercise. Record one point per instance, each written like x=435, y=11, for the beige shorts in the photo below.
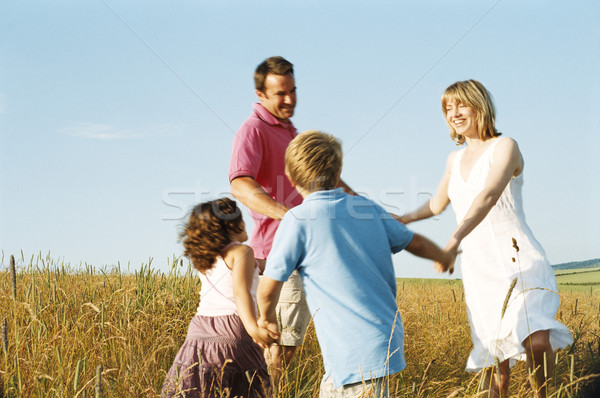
x=292, y=312
x=377, y=388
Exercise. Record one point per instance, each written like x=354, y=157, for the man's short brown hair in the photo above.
x=313, y=160
x=274, y=66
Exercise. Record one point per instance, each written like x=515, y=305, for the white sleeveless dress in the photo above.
x=488, y=270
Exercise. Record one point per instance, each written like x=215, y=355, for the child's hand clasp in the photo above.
x=267, y=333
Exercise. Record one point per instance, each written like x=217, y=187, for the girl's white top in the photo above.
x=216, y=292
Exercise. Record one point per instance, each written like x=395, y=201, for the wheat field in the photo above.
x=90, y=332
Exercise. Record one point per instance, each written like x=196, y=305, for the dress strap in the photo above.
x=229, y=245
x=492, y=146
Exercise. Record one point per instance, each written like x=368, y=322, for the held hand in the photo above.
x=265, y=337
x=450, y=253
x=402, y=219
x=270, y=326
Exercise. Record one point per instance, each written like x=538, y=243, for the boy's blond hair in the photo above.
x=313, y=161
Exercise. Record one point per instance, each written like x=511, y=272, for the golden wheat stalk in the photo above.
x=13, y=277
x=76, y=380
x=508, y=294
x=99, y=381
x=514, y=243
x=5, y=337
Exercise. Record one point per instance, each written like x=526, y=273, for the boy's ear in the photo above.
x=294, y=184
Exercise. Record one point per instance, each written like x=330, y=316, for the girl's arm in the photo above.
x=507, y=163
x=241, y=260
x=436, y=204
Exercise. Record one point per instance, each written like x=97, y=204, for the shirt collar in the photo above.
x=268, y=117
x=326, y=194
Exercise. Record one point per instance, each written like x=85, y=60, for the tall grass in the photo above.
x=99, y=332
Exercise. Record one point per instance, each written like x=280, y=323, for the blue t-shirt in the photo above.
x=342, y=247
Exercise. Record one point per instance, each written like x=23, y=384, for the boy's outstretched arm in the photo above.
x=422, y=247
x=267, y=296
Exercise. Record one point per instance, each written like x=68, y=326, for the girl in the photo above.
x=219, y=356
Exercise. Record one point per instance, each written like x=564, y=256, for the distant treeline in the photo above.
x=578, y=264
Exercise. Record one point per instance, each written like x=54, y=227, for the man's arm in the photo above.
x=254, y=197
x=346, y=188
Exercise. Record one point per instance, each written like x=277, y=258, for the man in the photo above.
x=257, y=178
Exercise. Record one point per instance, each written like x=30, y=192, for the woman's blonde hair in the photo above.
x=475, y=95
x=313, y=160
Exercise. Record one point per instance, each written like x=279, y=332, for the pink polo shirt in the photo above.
x=259, y=152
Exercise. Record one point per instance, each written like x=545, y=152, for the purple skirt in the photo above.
x=217, y=359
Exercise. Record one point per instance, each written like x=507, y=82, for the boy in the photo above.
x=342, y=247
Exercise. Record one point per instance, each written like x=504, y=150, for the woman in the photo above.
x=483, y=182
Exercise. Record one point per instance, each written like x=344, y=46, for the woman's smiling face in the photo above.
x=462, y=118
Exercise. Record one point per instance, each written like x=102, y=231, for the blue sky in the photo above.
x=116, y=117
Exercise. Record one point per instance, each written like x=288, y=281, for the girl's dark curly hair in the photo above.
x=208, y=229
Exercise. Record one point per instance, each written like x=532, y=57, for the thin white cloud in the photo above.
x=167, y=129
x=98, y=131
